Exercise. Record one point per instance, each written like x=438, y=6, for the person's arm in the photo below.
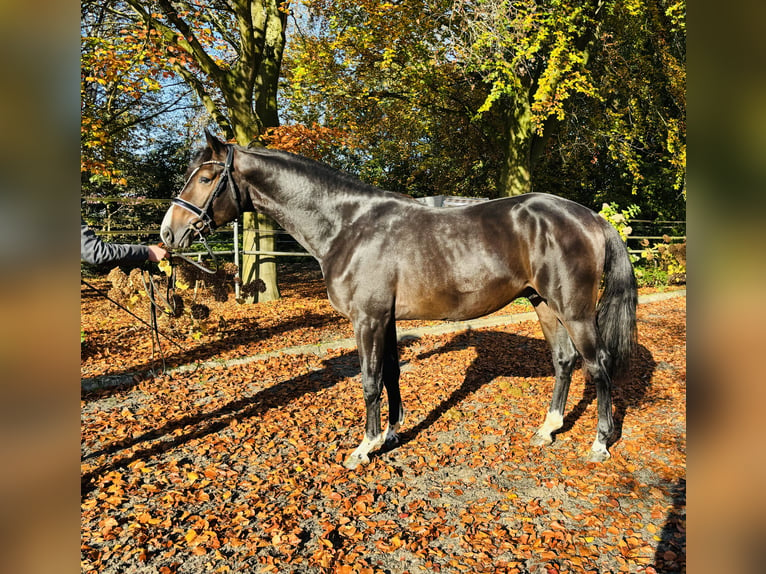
x=97, y=252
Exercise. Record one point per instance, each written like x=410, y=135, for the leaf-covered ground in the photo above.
x=239, y=468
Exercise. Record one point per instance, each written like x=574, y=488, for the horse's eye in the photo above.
x=204, y=179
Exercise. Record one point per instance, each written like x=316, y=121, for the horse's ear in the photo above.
x=214, y=143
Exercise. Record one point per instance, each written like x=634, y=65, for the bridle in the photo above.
x=205, y=222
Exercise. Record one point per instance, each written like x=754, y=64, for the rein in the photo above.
x=197, y=264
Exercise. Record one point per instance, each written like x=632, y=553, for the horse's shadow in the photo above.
x=505, y=354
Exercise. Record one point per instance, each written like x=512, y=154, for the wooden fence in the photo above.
x=654, y=232
x=229, y=236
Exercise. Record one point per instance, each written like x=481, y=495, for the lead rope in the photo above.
x=153, y=316
x=169, y=302
x=128, y=311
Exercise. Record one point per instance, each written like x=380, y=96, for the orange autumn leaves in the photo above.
x=239, y=469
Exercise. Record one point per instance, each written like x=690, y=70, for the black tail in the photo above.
x=616, y=315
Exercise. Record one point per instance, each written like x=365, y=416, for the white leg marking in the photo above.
x=359, y=456
x=554, y=420
x=392, y=431
x=598, y=452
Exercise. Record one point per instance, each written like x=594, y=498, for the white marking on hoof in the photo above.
x=540, y=440
x=598, y=452
x=553, y=422
x=359, y=456
x=352, y=461
x=392, y=432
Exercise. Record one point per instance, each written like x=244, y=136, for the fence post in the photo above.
x=238, y=276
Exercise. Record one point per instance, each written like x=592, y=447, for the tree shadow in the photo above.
x=201, y=424
x=505, y=354
x=247, y=331
x=670, y=557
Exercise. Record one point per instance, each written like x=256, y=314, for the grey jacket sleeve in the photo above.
x=96, y=252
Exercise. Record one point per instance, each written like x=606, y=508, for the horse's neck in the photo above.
x=309, y=210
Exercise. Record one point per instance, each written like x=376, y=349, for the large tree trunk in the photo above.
x=258, y=235
x=261, y=227
x=515, y=175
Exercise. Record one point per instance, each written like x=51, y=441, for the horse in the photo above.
x=385, y=256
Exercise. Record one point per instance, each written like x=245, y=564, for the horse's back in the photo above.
x=461, y=262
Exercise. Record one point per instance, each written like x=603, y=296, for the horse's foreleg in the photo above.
x=391, y=373
x=370, y=338
x=564, y=358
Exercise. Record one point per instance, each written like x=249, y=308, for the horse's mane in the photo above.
x=316, y=170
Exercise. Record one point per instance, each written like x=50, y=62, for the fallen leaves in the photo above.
x=239, y=469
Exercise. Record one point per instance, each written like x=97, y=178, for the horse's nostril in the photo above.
x=166, y=234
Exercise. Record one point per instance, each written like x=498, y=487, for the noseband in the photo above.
x=205, y=221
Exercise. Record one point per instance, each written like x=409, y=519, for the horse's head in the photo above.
x=209, y=197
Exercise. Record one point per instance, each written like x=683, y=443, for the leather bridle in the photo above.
x=205, y=221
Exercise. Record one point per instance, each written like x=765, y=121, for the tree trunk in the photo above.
x=515, y=175
x=264, y=90
x=258, y=235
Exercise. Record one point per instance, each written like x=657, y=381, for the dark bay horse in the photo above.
x=385, y=257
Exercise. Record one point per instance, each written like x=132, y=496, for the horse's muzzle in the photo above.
x=175, y=240
x=166, y=234
x=175, y=234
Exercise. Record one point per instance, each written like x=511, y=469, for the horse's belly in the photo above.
x=454, y=304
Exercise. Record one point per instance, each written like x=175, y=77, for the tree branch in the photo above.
x=187, y=41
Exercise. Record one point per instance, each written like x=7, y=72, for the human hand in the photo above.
x=156, y=253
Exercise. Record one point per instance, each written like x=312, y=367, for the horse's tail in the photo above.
x=616, y=313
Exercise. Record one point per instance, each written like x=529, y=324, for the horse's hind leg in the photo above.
x=391, y=381
x=595, y=360
x=564, y=358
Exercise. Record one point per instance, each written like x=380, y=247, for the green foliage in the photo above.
x=620, y=219
x=651, y=276
x=377, y=71
x=526, y=46
x=662, y=263
x=453, y=97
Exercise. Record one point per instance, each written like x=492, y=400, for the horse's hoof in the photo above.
x=598, y=455
x=354, y=461
x=540, y=440
x=392, y=441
